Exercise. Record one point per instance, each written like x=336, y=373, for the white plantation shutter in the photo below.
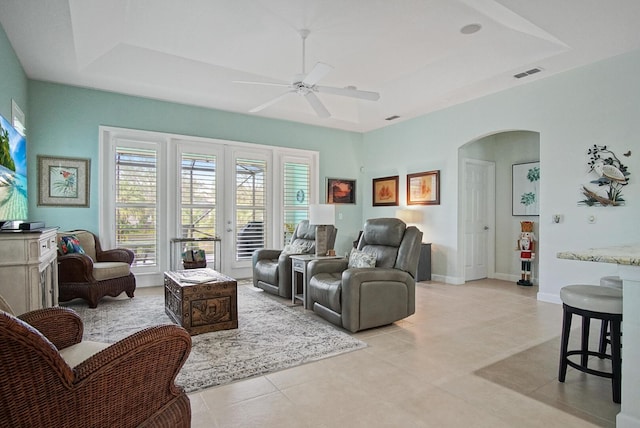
x=198, y=200
x=136, y=203
x=296, y=191
x=251, y=206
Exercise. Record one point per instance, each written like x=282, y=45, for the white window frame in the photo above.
x=168, y=147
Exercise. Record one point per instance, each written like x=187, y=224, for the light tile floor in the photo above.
x=483, y=354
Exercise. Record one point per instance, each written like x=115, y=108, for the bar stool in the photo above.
x=613, y=282
x=592, y=301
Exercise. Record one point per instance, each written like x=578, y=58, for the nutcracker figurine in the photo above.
x=527, y=248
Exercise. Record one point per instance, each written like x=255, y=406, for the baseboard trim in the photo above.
x=447, y=279
x=549, y=298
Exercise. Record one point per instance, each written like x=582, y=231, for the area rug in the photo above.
x=270, y=337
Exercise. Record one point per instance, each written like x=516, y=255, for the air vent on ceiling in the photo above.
x=394, y=117
x=527, y=73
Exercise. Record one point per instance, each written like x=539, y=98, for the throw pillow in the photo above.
x=360, y=259
x=70, y=244
x=292, y=249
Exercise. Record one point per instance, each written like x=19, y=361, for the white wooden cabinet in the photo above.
x=29, y=269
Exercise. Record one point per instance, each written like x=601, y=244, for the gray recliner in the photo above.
x=272, y=268
x=361, y=298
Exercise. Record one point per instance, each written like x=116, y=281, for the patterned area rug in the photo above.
x=270, y=337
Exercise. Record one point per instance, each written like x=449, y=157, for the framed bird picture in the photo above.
x=526, y=188
x=63, y=182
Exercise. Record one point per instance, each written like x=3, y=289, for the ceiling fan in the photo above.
x=306, y=85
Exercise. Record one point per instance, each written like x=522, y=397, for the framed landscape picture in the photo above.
x=526, y=185
x=63, y=182
x=341, y=191
x=423, y=188
x=385, y=191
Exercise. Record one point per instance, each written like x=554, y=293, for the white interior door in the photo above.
x=479, y=219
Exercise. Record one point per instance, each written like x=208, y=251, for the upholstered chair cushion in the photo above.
x=75, y=354
x=110, y=270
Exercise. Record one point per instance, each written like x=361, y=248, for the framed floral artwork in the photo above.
x=385, y=191
x=423, y=188
x=525, y=188
x=63, y=182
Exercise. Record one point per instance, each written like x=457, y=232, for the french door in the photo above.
x=166, y=196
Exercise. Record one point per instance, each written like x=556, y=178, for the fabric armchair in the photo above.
x=51, y=378
x=88, y=272
x=272, y=268
x=358, y=298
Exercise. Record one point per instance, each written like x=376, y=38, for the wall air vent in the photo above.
x=527, y=73
x=394, y=117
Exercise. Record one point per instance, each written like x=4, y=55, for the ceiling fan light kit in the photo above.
x=306, y=85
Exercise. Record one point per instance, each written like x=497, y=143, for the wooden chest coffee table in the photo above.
x=201, y=300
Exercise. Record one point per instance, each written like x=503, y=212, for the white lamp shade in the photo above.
x=322, y=214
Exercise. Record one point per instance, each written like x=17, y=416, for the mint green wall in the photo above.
x=13, y=81
x=595, y=104
x=65, y=119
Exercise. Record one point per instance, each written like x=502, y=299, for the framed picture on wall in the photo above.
x=423, y=188
x=63, y=182
x=341, y=191
x=525, y=188
x=385, y=191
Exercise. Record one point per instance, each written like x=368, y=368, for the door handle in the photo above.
x=229, y=229
x=486, y=228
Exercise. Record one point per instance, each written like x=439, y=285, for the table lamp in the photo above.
x=322, y=215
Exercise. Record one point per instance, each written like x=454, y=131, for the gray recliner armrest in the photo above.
x=326, y=266
x=265, y=253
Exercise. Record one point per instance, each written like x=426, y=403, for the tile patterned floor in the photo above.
x=483, y=354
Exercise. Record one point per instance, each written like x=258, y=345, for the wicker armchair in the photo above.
x=127, y=384
x=96, y=273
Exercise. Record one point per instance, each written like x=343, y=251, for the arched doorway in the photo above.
x=502, y=149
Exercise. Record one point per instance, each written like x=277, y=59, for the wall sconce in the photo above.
x=322, y=215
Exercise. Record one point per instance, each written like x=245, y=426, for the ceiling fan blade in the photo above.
x=271, y=102
x=250, y=82
x=319, y=71
x=349, y=92
x=317, y=105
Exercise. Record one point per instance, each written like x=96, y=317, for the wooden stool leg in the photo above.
x=586, y=326
x=616, y=360
x=603, y=338
x=564, y=343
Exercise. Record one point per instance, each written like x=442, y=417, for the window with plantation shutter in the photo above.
x=198, y=200
x=296, y=191
x=136, y=203
x=161, y=194
x=251, y=206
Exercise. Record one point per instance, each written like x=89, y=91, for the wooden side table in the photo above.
x=299, y=264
